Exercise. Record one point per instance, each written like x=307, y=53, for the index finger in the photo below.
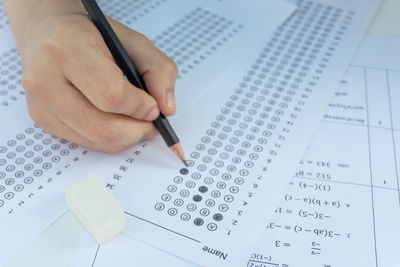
x=158, y=70
x=93, y=71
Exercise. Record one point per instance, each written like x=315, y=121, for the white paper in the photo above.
x=29, y=205
x=124, y=251
x=158, y=207
x=330, y=214
x=343, y=206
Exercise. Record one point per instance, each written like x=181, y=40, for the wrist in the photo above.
x=27, y=15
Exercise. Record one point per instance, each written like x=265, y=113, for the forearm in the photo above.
x=25, y=15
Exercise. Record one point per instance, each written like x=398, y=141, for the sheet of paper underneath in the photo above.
x=124, y=251
x=205, y=39
x=342, y=208
x=222, y=204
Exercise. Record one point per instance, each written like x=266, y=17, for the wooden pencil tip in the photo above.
x=178, y=151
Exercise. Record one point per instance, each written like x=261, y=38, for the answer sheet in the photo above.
x=342, y=208
x=343, y=205
x=254, y=127
x=205, y=38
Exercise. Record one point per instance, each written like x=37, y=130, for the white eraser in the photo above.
x=95, y=208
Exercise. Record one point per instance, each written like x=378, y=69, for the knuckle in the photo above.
x=141, y=106
x=92, y=39
x=148, y=134
x=37, y=118
x=31, y=84
x=143, y=38
x=108, y=133
x=58, y=43
x=171, y=68
x=113, y=97
x=55, y=43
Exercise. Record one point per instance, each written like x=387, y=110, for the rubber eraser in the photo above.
x=95, y=208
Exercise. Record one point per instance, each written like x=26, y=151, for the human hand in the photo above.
x=75, y=89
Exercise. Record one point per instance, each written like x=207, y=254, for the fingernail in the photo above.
x=153, y=114
x=170, y=101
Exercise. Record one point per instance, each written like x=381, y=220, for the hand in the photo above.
x=75, y=89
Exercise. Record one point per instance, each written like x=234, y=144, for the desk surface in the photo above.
x=57, y=245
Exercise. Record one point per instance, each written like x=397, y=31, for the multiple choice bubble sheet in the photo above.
x=253, y=129
x=205, y=39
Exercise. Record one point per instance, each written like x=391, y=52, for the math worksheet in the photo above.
x=342, y=206
x=248, y=105
x=206, y=39
x=254, y=126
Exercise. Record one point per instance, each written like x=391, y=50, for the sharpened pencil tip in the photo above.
x=177, y=149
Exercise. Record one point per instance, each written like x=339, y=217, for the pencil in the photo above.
x=132, y=74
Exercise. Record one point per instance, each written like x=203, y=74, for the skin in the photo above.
x=73, y=86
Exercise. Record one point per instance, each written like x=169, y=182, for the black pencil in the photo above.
x=132, y=74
